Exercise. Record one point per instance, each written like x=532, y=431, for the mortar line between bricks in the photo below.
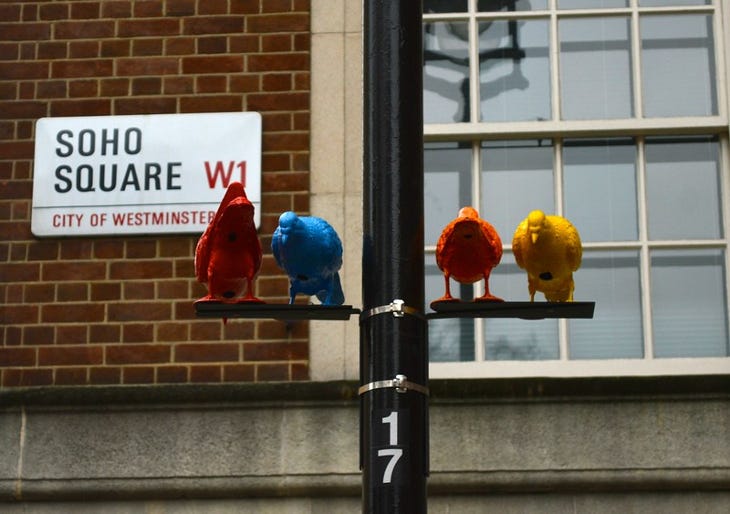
x=21, y=452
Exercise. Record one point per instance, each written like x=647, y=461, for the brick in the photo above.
x=10, y=12
x=180, y=7
x=275, y=351
x=205, y=331
x=272, y=372
x=239, y=373
x=137, y=354
x=105, y=291
x=138, y=375
x=244, y=83
x=277, y=122
x=173, y=289
x=116, y=9
x=178, y=85
x=212, y=64
x=213, y=7
x=62, y=271
x=37, y=335
x=83, y=49
x=19, y=272
x=244, y=44
x=180, y=46
x=278, y=62
x=52, y=50
x=147, y=47
x=278, y=101
x=72, y=334
x=277, y=82
x=147, y=66
x=23, y=70
x=83, y=29
x=39, y=293
x=149, y=27
x=85, y=10
x=116, y=48
x=29, y=13
x=148, y=8
x=76, y=313
x=52, y=89
x=138, y=290
x=13, y=336
x=211, y=84
x=9, y=51
x=105, y=333
x=172, y=374
x=139, y=311
x=224, y=352
x=85, y=68
x=145, y=106
x=245, y=6
x=27, y=377
x=276, y=6
x=70, y=355
x=220, y=103
x=214, y=25
x=83, y=88
x=298, y=181
x=277, y=43
x=25, y=31
x=302, y=42
x=201, y=374
x=74, y=249
x=213, y=45
x=141, y=249
x=19, y=314
x=265, y=23
x=147, y=86
x=72, y=292
x=114, y=87
x=172, y=332
x=299, y=372
x=17, y=356
x=108, y=249
x=105, y=375
x=176, y=246
x=137, y=333
x=71, y=376
x=140, y=269
x=286, y=142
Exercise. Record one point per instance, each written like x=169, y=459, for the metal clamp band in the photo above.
x=400, y=382
x=397, y=307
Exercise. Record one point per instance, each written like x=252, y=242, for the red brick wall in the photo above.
x=119, y=310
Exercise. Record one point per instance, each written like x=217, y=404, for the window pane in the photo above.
x=683, y=188
x=435, y=6
x=595, y=68
x=514, y=70
x=517, y=339
x=658, y=3
x=611, y=279
x=600, y=189
x=517, y=178
x=678, y=65
x=591, y=4
x=689, y=310
x=512, y=5
x=447, y=186
x=448, y=339
x=445, y=72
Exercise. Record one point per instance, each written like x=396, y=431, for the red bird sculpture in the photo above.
x=228, y=254
x=467, y=251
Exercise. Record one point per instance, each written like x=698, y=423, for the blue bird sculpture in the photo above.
x=310, y=252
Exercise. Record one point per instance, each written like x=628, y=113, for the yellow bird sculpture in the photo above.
x=549, y=249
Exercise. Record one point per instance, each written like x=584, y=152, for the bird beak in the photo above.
x=533, y=236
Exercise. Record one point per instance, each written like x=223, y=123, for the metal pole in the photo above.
x=393, y=335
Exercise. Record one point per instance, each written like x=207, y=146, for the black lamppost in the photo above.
x=393, y=340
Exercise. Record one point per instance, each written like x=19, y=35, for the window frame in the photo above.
x=557, y=130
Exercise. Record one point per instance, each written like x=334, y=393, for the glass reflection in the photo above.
x=517, y=177
x=678, y=65
x=595, y=68
x=514, y=70
x=445, y=72
x=599, y=179
x=517, y=339
x=440, y=6
x=611, y=279
x=689, y=310
x=447, y=185
x=663, y=3
x=449, y=340
x=591, y=4
x=683, y=188
x=511, y=5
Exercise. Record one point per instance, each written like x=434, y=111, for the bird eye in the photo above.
x=232, y=236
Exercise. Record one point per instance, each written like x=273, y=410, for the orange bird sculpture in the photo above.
x=467, y=251
x=228, y=254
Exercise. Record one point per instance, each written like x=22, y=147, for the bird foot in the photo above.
x=207, y=299
x=250, y=299
x=446, y=299
x=488, y=298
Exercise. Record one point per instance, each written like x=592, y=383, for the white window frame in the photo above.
x=559, y=130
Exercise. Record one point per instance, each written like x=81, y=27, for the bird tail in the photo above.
x=334, y=296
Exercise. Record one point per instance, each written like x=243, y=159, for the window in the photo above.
x=608, y=112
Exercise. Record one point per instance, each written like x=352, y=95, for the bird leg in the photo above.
x=447, y=295
x=487, y=296
x=249, y=297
